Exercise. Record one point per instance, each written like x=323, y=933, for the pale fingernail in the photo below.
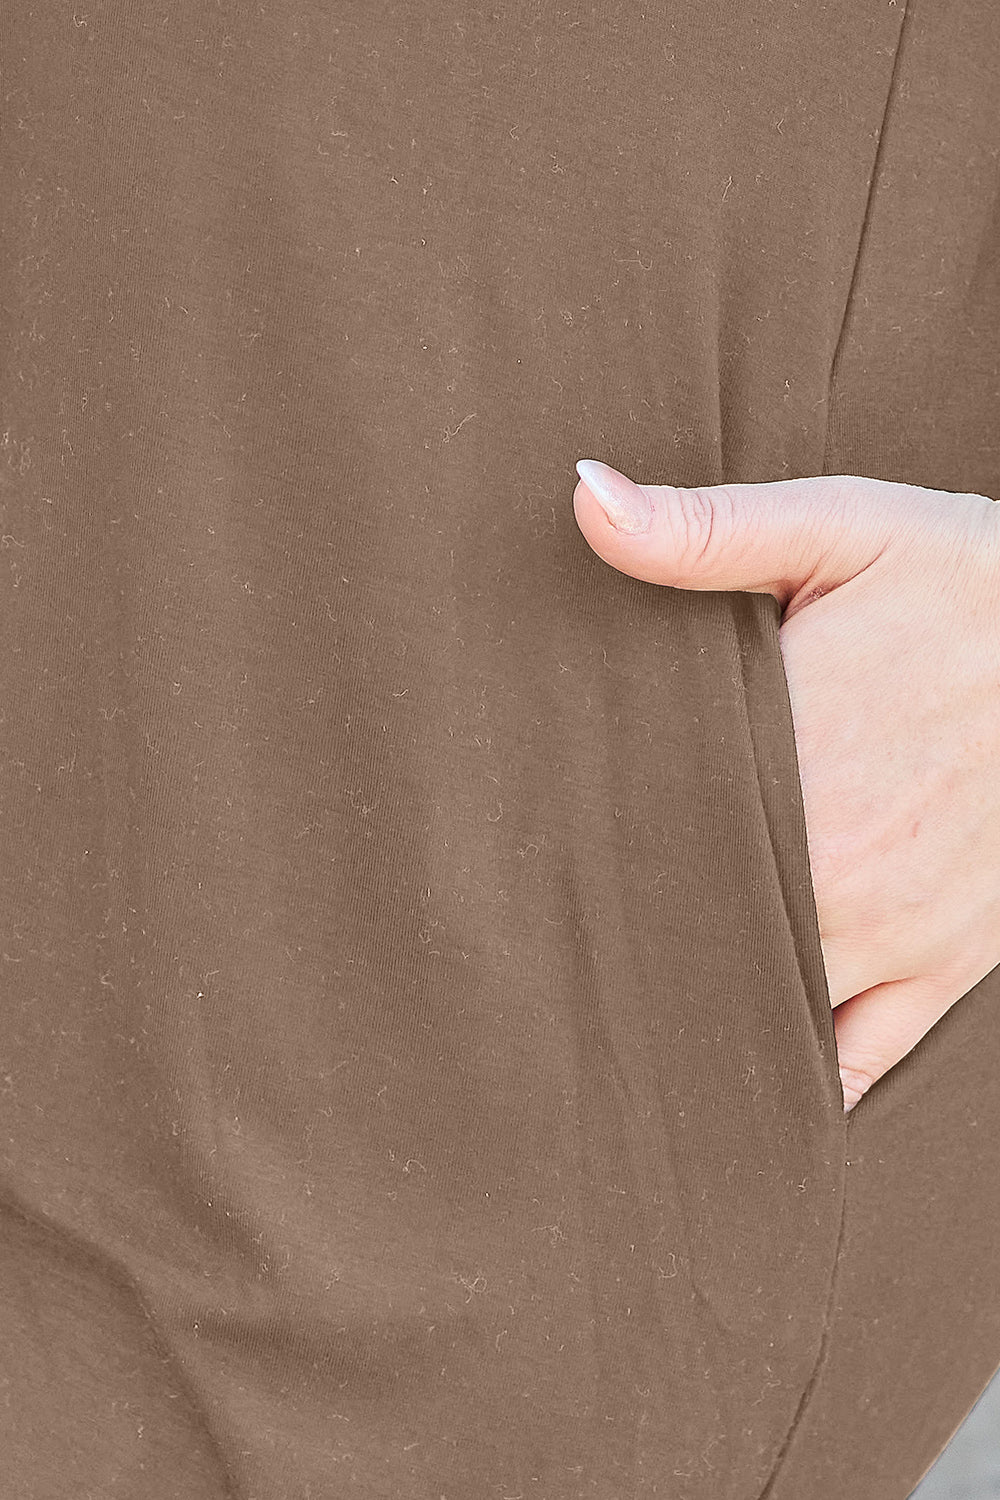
x=624, y=503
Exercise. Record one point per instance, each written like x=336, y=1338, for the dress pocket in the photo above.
x=772, y=733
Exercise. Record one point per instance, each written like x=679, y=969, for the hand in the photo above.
x=890, y=638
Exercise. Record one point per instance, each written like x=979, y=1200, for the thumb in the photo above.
x=793, y=538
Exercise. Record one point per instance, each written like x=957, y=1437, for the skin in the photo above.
x=890, y=637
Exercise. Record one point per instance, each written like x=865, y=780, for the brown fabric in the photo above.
x=417, y=1075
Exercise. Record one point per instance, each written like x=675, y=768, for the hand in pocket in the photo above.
x=890, y=638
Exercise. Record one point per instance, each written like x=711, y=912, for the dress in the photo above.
x=418, y=1077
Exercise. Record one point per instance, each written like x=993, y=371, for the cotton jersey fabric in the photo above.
x=418, y=1076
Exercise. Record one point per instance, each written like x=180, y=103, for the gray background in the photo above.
x=969, y=1468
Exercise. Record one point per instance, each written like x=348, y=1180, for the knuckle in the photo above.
x=860, y=1079
x=698, y=520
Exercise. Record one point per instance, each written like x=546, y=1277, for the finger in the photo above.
x=816, y=532
x=876, y=1029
